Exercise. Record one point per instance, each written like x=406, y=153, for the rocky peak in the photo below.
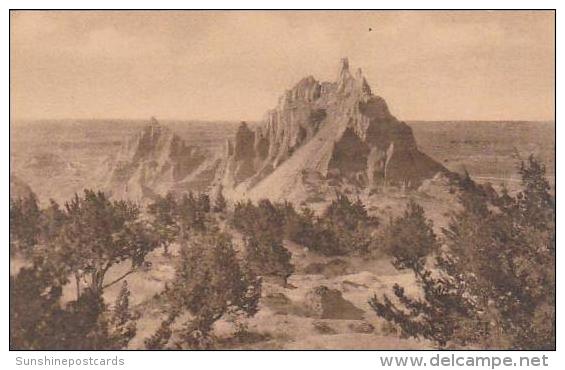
x=343, y=73
x=153, y=161
x=326, y=131
x=244, y=142
x=149, y=140
x=363, y=84
x=352, y=85
x=306, y=90
x=345, y=81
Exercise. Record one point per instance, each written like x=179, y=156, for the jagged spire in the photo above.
x=345, y=63
x=344, y=77
x=347, y=82
x=359, y=74
x=362, y=81
x=343, y=69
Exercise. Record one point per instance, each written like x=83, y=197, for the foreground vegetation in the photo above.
x=492, y=281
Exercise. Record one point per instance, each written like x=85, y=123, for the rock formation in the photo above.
x=326, y=303
x=322, y=135
x=156, y=161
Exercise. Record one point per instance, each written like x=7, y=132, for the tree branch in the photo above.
x=119, y=279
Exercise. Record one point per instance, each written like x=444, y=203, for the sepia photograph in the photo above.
x=282, y=180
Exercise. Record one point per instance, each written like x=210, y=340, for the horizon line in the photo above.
x=167, y=119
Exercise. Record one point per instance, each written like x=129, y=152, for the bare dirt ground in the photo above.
x=285, y=319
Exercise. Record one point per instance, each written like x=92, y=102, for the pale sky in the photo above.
x=234, y=65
